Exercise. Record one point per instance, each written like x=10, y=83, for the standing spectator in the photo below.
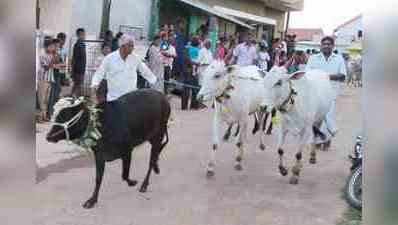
x=171, y=28
x=182, y=66
x=78, y=62
x=45, y=77
x=334, y=65
x=264, y=39
x=115, y=41
x=155, y=63
x=204, y=59
x=168, y=54
x=245, y=53
x=108, y=39
x=308, y=51
x=58, y=75
x=263, y=57
x=180, y=42
x=191, y=75
x=105, y=50
x=165, y=28
x=221, y=50
x=231, y=46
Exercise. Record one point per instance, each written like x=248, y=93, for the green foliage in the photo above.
x=92, y=135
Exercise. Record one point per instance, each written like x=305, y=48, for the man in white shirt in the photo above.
x=168, y=55
x=119, y=69
x=245, y=53
x=204, y=59
x=334, y=65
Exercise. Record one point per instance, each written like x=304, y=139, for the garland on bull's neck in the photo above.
x=91, y=135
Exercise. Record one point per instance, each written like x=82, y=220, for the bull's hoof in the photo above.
x=210, y=173
x=131, y=183
x=293, y=180
x=262, y=147
x=283, y=171
x=143, y=188
x=90, y=203
x=156, y=169
x=238, y=167
x=312, y=160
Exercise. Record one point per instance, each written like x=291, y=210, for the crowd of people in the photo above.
x=171, y=55
x=54, y=65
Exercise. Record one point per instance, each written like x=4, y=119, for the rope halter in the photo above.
x=68, y=124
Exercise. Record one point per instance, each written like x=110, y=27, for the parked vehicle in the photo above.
x=353, y=189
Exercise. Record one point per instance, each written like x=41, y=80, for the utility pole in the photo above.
x=287, y=24
x=37, y=15
x=154, y=20
x=106, y=11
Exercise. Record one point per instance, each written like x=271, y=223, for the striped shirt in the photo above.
x=46, y=73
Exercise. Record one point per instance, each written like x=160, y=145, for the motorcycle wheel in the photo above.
x=353, y=190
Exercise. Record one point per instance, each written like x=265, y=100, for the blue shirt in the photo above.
x=180, y=47
x=193, y=53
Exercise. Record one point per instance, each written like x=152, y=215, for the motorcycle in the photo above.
x=353, y=189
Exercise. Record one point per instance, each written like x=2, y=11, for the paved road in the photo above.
x=181, y=194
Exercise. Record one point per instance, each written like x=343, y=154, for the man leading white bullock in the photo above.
x=238, y=91
x=303, y=100
x=333, y=64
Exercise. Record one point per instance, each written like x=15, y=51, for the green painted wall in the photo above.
x=154, y=24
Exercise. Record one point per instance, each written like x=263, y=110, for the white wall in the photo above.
x=55, y=16
x=131, y=13
x=345, y=34
x=86, y=14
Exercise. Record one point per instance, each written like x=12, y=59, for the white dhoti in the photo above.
x=200, y=73
x=331, y=123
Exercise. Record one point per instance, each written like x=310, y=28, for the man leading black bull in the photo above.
x=119, y=69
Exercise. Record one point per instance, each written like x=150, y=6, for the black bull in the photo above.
x=147, y=112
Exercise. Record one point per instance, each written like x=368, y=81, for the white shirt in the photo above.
x=205, y=56
x=245, y=54
x=121, y=75
x=333, y=65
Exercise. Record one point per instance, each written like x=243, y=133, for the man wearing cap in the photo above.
x=334, y=65
x=119, y=69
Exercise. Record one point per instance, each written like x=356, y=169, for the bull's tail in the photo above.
x=318, y=133
x=166, y=134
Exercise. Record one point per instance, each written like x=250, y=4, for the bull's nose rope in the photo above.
x=68, y=124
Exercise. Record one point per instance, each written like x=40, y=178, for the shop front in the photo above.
x=198, y=18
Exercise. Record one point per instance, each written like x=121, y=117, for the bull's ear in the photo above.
x=297, y=75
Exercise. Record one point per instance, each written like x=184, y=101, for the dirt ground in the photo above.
x=182, y=195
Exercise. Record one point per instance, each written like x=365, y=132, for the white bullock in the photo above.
x=303, y=100
x=236, y=92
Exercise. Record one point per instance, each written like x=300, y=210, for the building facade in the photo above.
x=68, y=15
x=262, y=15
x=350, y=31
